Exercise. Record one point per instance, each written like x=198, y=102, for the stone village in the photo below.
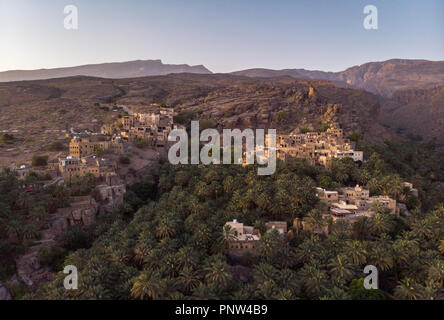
x=92, y=154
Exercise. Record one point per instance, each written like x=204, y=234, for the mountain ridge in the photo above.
x=380, y=77
x=112, y=70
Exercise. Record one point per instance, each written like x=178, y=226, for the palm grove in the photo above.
x=166, y=241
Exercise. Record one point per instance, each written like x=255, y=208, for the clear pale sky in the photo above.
x=223, y=35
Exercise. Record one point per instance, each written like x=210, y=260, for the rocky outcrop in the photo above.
x=110, y=196
x=416, y=112
x=382, y=78
x=30, y=271
x=4, y=293
x=82, y=211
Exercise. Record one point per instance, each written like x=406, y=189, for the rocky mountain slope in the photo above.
x=417, y=113
x=382, y=78
x=130, y=69
x=410, y=92
x=38, y=112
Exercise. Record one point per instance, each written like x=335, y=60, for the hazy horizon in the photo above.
x=223, y=36
x=258, y=67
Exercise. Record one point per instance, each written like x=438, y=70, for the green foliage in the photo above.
x=82, y=185
x=414, y=137
x=304, y=129
x=185, y=117
x=17, y=291
x=55, y=146
x=22, y=214
x=324, y=127
x=355, y=136
x=357, y=291
x=76, y=238
x=167, y=241
x=39, y=160
x=98, y=150
x=141, y=143
x=7, y=263
x=6, y=139
x=52, y=257
x=281, y=115
x=206, y=124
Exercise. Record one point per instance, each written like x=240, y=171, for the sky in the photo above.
x=223, y=35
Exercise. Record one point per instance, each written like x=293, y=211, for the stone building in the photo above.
x=244, y=239
x=99, y=167
x=316, y=147
x=351, y=203
x=85, y=146
x=328, y=197
x=153, y=126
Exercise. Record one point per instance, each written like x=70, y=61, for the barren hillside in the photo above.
x=39, y=112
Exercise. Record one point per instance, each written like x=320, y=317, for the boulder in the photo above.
x=4, y=293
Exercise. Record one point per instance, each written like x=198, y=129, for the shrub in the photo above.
x=52, y=257
x=184, y=117
x=141, y=143
x=7, y=264
x=358, y=292
x=75, y=239
x=39, y=161
x=17, y=291
x=324, y=127
x=355, y=136
x=55, y=146
x=6, y=139
x=124, y=160
x=281, y=115
x=206, y=124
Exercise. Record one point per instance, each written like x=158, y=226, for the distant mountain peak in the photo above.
x=113, y=70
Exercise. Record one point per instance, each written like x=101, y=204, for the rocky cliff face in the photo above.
x=410, y=92
x=238, y=102
x=228, y=101
x=417, y=111
x=382, y=78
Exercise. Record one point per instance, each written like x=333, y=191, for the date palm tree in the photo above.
x=141, y=251
x=187, y=257
x=421, y=229
x=314, y=280
x=356, y=252
x=381, y=223
x=407, y=289
x=14, y=228
x=340, y=267
x=188, y=279
x=314, y=221
x=218, y=273
x=263, y=272
x=381, y=258
x=149, y=285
